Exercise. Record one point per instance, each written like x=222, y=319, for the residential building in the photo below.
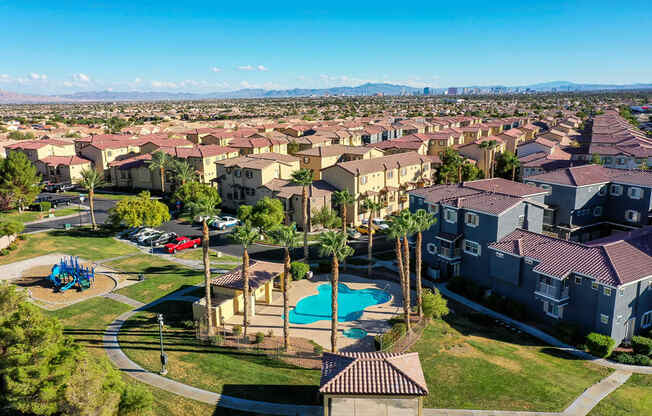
x=36, y=150
x=67, y=169
x=484, y=157
x=320, y=158
x=619, y=144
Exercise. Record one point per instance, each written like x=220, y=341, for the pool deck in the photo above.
x=373, y=320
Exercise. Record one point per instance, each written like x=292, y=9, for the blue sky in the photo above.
x=201, y=46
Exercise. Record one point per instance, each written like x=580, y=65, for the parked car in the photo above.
x=129, y=232
x=378, y=222
x=151, y=237
x=364, y=229
x=225, y=222
x=182, y=243
x=353, y=234
x=137, y=235
x=145, y=235
x=163, y=239
x=59, y=187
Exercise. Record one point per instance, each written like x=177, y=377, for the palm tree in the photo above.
x=160, y=161
x=205, y=207
x=492, y=146
x=334, y=244
x=91, y=179
x=184, y=172
x=371, y=206
x=423, y=220
x=485, y=147
x=409, y=228
x=396, y=232
x=343, y=199
x=510, y=162
x=245, y=235
x=303, y=177
x=286, y=237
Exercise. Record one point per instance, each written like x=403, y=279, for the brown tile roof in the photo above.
x=372, y=373
x=65, y=160
x=37, y=144
x=260, y=272
x=594, y=174
x=335, y=150
x=504, y=186
x=614, y=263
x=286, y=189
x=363, y=167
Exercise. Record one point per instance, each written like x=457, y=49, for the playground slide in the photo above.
x=54, y=276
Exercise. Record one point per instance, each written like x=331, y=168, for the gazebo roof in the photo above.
x=260, y=272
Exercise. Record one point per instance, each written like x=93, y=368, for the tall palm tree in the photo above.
x=485, y=148
x=396, y=232
x=371, y=206
x=160, y=161
x=334, y=244
x=286, y=237
x=206, y=206
x=343, y=198
x=423, y=220
x=303, y=177
x=184, y=171
x=510, y=162
x=245, y=235
x=492, y=146
x=91, y=179
x=409, y=228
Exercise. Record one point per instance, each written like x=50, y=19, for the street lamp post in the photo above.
x=81, y=200
x=164, y=356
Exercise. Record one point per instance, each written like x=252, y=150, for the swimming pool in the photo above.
x=351, y=304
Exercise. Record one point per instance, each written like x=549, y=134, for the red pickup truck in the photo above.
x=182, y=243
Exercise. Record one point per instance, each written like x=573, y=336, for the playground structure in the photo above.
x=68, y=273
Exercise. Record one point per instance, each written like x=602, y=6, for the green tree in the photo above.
x=139, y=211
x=343, y=199
x=19, y=181
x=409, y=229
x=286, y=236
x=471, y=171
x=450, y=170
x=245, y=235
x=326, y=217
x=266, y=214
x=397, y=229
x=488, y=146
x=507, y=163
x=184, y=172
x=9, y=227
x=423, y=220
x=90, y=180
x=293, y=147
x=596, y=159
x=205, y=207
x=192, y=191
x=16, y=135
x=161, y=161
x=334, y=244
x=371, y=206
x=304, y=177
x=434, y=304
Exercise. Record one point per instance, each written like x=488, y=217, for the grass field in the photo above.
x=116, y=197
x=29, y=216
x=228, y=371
x=161, y=276
x=197, y=254
x=78, y=242
x=471, y=366
x=634, y=398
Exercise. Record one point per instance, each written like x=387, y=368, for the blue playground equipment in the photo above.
x=68, y=273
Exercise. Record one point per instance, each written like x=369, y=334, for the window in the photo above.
x=471, y=219
x=499, y=255
x=238, y=173
x=606, y=291
x=249, y=174
x=597, y=211
x=529, y=261
x=403, y=171
x=595, y=285
x=431, y=248
x=552, y=309
x=578, y=280
x=635, y=193
x=646, y=319
x=621, y=292
x=616, y=190
x=604, y=318
x=306, y=159
x=620, y=160
x=632, y=216
x=433, y=208
x=390, y=174
x=450, y=216
x=363, y=180
x=603, y=190
x=471, y=247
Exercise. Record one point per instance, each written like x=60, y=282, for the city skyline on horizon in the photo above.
x=156, y=47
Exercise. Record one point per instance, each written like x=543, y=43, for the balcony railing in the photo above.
x=551, y=291
x=450, y=253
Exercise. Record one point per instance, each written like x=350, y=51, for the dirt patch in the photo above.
x=36, y=281
x=467, y=350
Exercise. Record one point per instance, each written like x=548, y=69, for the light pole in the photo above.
x=164, y=356
x=81, y=200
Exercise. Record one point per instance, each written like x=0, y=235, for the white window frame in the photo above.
x=578, y=280
x=646, y=319
x=433, y=208
x=471, y=215
x=606, y=291
x=604, y=319
x=431, y=248
x=597, y=211
x=306, y=159
x=529, y=261
x=635, y=215
x=615, y=189
x=472, y=243
x=452, y=213
x=363, y=180
x=558, y=314
x=595, y=285
x=390, y=174
x=634, y=193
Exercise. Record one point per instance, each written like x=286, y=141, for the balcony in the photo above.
x=450, y=253
x=551, y=291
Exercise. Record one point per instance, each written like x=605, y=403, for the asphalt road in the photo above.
x=102, y=207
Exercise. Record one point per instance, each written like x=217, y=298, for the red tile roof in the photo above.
x=260, y=272
x=372, y=373
x=594, y=174
x=65, y=160
x=504, y=186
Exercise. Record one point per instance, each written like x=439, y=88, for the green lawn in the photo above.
x=99, y=195
x=634, y=398
x=79, y=242
x=471, y=366
x=161, y=276
x=236, y=373
x=29, y=216
x=197, y=254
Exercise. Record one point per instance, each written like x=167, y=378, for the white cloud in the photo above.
x=67, y=84
x=138, y=81
x=164, y=84
x=36, y=76
x=245, y=84
x=261, y=68
x=81, y=77
x=216, y=69
x=246, y=68
x=5, y=78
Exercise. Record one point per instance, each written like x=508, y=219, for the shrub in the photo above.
x=434, y=305
x=640, y=359
x=136, y=400
x=44, y=206
x=642, y=345
x=298, y=270
x=216, y=340
x=317, y=349
x=599, y=345
x=623, y=358
x=237, y=330
x=188, y=324
x=260, y=337
x=399, y=329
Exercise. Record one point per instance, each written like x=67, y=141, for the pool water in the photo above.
x=355, y=333
x=351, y=304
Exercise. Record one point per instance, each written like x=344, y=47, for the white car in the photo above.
x=379, y=222
x=226, y=222
x=144, y=236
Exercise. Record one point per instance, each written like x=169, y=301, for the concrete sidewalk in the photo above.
x=592, y=396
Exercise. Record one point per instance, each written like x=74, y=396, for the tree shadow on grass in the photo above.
x=475, y=324
x=288, y=394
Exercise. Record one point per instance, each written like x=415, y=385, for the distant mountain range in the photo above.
x=365, y=89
